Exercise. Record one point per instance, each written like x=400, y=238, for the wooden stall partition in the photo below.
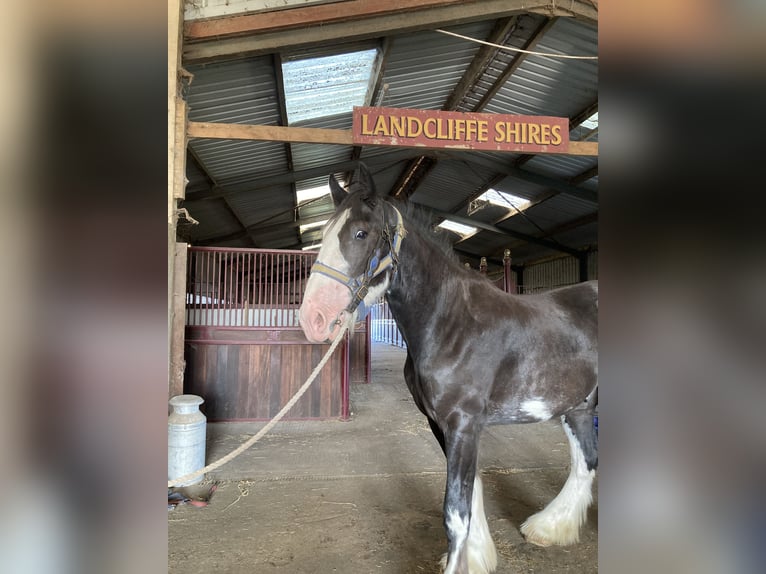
x=359, y=350
x=249, y=374
x=245, y=352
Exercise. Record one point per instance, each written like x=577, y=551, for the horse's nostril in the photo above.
x=319, y=321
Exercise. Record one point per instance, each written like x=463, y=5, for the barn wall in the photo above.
x=557, y=273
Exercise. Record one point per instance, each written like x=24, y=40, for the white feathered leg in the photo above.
x=560, y=521
x=481, y=553
x=482, y=556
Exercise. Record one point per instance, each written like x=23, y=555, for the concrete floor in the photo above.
x=365, y=496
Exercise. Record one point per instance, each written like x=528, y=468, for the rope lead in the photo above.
x=256, y=437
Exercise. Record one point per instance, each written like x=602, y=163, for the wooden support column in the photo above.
x=176, y=187
x=178, y=307
x=345, y=378
x=509, y=285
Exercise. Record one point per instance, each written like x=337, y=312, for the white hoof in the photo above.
x=478, y=563
x=541, y=530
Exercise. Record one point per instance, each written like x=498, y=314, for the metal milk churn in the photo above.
x=186, y=437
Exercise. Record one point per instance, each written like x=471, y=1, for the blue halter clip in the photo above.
x=375, y=266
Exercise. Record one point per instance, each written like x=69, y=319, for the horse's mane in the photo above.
x=422, y=220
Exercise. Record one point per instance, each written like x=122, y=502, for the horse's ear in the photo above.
x=364, y=177
x=361, y=180
x=337, y=191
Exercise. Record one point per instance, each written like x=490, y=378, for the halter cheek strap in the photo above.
x=359, y=285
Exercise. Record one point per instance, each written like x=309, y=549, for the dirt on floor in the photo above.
x=365, y=496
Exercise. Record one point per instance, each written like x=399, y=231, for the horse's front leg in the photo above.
x=471, y=550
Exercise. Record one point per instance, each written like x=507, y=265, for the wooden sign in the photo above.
x=458, y=130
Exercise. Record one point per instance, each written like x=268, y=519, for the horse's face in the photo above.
x=351, y=241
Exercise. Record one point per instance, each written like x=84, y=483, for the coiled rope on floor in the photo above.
x=257, y=436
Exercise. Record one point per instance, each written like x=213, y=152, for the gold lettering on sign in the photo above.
x=429, y=128
x=366, y=131
x=398, y=127
x=480, y=131
x=556, y=133
x=414, y=127
x=381, y=127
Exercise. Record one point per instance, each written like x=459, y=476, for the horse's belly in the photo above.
x=527, y=411
x=542, y=397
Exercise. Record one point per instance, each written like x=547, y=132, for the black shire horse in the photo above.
x=476, y=356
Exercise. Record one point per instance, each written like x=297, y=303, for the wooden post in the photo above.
x=176, y=187
x=507, y=276
x=177, y=363
x=345, y=378
x=368, y=349
x=483, y=266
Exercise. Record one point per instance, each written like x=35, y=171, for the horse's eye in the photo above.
x=361, y=234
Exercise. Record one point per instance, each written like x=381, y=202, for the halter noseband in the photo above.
x=359, y=285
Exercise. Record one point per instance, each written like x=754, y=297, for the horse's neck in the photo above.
x=423, y=271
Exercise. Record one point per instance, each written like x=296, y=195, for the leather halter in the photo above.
x=359, y=285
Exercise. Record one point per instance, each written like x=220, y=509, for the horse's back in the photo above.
x=580, y=303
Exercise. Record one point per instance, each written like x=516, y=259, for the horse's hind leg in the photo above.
x=560, y=521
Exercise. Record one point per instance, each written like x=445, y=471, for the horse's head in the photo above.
x=358, y=257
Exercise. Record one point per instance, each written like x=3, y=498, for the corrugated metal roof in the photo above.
x=421, y=71
x=423, y=68
x=239, y=92
x=524, y=30
x=564, y=167
x=230, y=160
x=450, y=185
x=543, y=85
x=521, y=188
x=213, y=218
x=262, y=205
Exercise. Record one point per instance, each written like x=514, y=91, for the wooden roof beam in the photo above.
x=267, y=32
x=515, y=63
x=213, y=185
x=508, y=232
x=254, y=184
x=566, y=226
x=417, y=169
x=500, y=34
x=574, y=121
x=558, y=185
